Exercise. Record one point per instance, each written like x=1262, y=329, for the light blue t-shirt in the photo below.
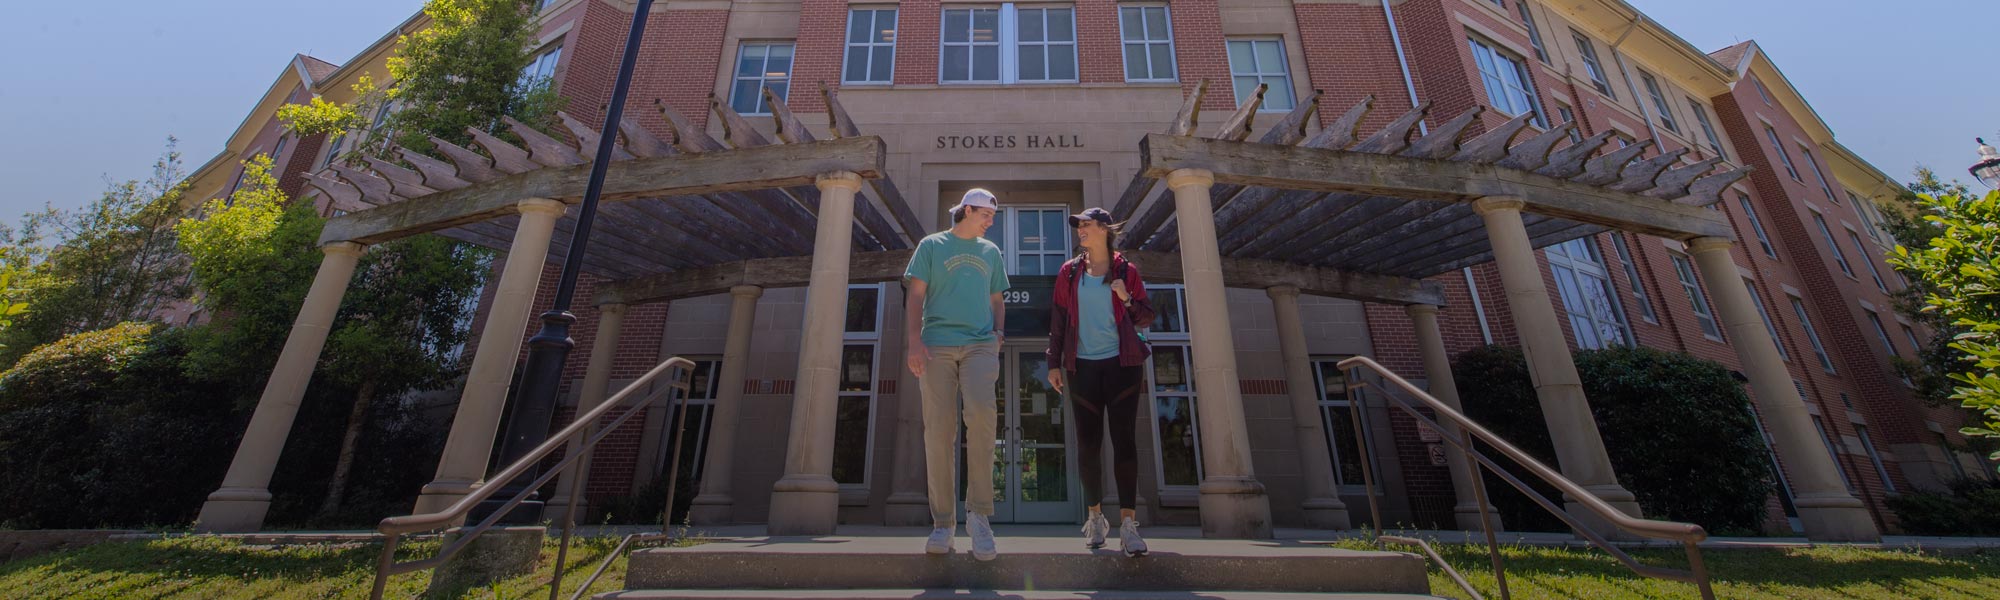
x=961, y=276
x=1096, y=334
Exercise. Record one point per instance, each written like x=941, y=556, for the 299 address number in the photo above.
x=1016, y=297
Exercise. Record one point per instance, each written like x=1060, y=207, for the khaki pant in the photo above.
x=955, y=372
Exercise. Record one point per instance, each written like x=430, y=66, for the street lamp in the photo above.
x=1988, y=167
x=535, y=398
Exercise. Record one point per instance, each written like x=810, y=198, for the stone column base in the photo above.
x=233, y=510
x=1836, y=519
x=712, y=510
x=907, y=510
x=557, y=507
x=807, y=505
x=1467, y=517
x=499, y=553
x=440, y=495
x=1235, y=509
x=1603, y=526
x=1327, y=513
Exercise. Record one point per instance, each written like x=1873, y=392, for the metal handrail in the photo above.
x=1688, y=534
x=393, y=528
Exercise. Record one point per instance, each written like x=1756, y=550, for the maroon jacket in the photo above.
x=1132, y=351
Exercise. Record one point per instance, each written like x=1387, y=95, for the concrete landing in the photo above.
x=1025, y=563
x=942, y=594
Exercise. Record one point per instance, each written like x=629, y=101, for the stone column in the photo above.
x=1323, y=507
x=909, y=500
x=714, y=506
x=1437, y=371
x=806, y=501
x=1579, y=449
x=1233, y=504
x=1828, y=512
x=462, y=468
x=596, y=387
x=240, y=504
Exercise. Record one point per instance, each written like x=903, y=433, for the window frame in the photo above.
x=762, y=78
x=1824, y=187
x=849, y=46
x=1125, y=43
x=700, y=430
x=1283, y=72
x=1707, y=128
x=1523, y=84
x=1327, y=402
x=1570, y=273
x=1873, y=271
x=540, y=70
x=1191, y=396
x=1784, y=157
x=1832, y=451
x=1011, y=43
x=1770, y=326
x=1881, y=331
x=1632, y=274
x=1593, y=66
x=1691, y=283
x=1534, y=31
x=1666, y=116
x=1007, y=220
x=873, y=341
x=1812, y=334
x=1839, y=257
x=1868, y=446
x=1757, y=225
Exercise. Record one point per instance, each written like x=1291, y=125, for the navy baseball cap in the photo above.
x=1099, y=215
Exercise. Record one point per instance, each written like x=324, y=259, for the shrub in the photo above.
x=1971, y=507
x=1677, y=429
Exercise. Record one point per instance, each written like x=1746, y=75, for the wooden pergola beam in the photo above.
x=1252, y=273
x=762, y=167
x=1335, y=171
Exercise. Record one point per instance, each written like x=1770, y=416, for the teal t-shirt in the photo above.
x=1096, y=335
x=962, y=276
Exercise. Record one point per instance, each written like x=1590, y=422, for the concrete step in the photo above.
x=947, y=594
x=1025, y=563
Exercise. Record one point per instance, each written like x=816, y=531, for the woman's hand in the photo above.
x=1118, y=289
x=1056, y=380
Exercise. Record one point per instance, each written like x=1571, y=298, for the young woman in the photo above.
x=1096, y=355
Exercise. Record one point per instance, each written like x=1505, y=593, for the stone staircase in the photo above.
x=1029, y=568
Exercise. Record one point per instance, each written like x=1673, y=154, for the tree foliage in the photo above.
x=1950, y=261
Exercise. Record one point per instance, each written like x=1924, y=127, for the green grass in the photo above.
x=213, y=568
x=1801, y=573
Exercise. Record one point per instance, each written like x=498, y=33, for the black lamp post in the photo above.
x=1988, y=167
x=535, y=400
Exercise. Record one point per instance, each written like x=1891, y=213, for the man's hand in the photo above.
x=1056, y=380
x=1118, y=289
x=919, y=356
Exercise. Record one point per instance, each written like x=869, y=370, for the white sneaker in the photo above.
x=1129, y=540
x=983, y=547
x=1094, y=530
x=940, y=541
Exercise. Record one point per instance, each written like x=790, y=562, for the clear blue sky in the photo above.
x=89, y=91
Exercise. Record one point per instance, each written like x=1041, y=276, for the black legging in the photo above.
x=1098, y=387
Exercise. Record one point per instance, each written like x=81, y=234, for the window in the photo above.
x=1869, y=219
x=1916, y=347
x=1784, y=485
x=1534, y=33
x=702, y=390
x=1685, y=270
x=1008, y=45
x=1166, y=301
x=1336, y=413
x=1568, y=116
x=1827, y=439
x=871, y=46
x=971, y=46
x=1666, y=115
x=1261, y=61
x=1868, y=262
x=1507, y=85
x=1950, y=456
x=1039, y=242
x=1632, y=275
x=1592, y=66
x=540, y=71
x=1149, y=43
x=1769, y=327
x=760, y=66
x=1799, y=307
x=333, y=149
x=279, y=149
x=1046, y=50
x=1586, y=290
x=1172, y=373
x=1818, y=174
x=1838, y=256
x=854, y=420
x=1779, y=146
x=1707, y=128
x=1756, y=225
x=1880, y=331
x=1762, y=92
x=1868, y=445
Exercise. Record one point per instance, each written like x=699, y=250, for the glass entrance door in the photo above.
x=1032, y=463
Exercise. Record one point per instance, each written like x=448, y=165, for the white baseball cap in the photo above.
x=978, y=197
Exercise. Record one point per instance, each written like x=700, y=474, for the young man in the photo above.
x=953, y=322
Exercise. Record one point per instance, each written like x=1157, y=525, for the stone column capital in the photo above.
x=1185, y=177
x=838, y=179
x=746, y=291
x=1282, y=291
x=1703, y=245
x=1421, y=309
x=1496, y=203
x=349, y=249
x=542, y=206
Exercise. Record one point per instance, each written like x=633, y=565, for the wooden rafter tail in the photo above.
x=374, y=190
x=687, y=137
x=640, y=142
x=1532, y=154
x=339, y=193
x=438, y=175
x=587, y=139
x=1442, y=142
x=1292, y=128
x=402, y=182
x=506, y=157
x=837, y=120
x=1190, y=113
x=542, y=148
x=466, y=164
x=1708, y=190
x=789, y=128
x=1567, y=162
x=1674, y=183
x=736, y=130
x=1237, y=127
x=1342, y=133
x=1396, y=136
x=1134, y=194
x=1639, y=176
x=1491, y=146
x=899, y=208
x=1605, y=169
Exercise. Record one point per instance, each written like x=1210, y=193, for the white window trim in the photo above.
x=1826, y=231
x=1812, y=334
x=1698, y=298
x=1757, y=225
x=999, y=42
x=848, y=46
x=1631, y=266
x=1578, y=269
x=1010, y=44
x=874, y=393
x=1284, y=71
x=735, y=72
x=699, y=430
x=1594, y=72
x=1862, y=247
x=1168, y=14
x=1707, y=128
x=1784, y=157
x=1193, y=397
x=1868, y=445
x=1526, y=83
x=1010, y=249
x=1659, y=97
x=1319, y=383
x=1770, y=326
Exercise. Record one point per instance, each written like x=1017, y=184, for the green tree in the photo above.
x=1935, y=359
x=1950, y=260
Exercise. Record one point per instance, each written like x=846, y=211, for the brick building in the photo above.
x=1044, y=102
